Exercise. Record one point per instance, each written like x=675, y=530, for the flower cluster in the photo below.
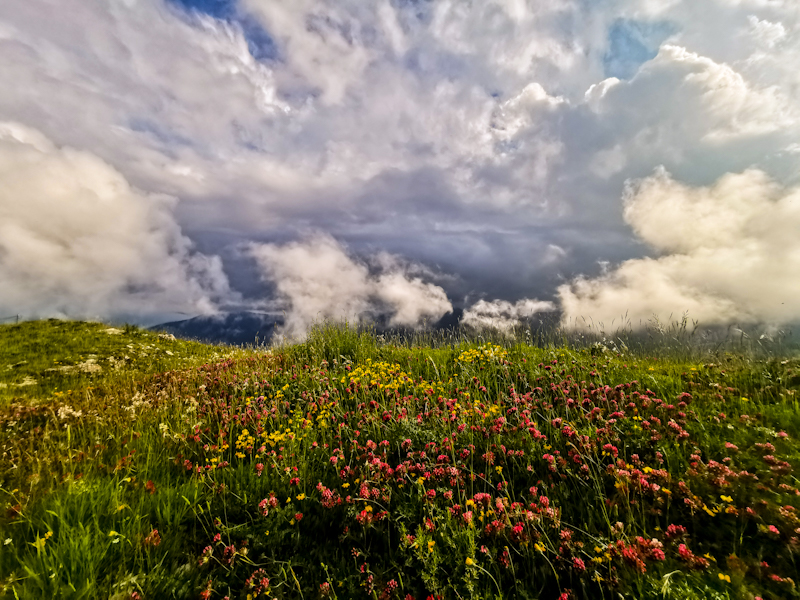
x=488, y=466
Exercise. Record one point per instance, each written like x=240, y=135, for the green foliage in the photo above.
x=43, y=359
x=356, y=466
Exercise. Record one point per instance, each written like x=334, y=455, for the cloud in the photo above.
x=729, y=252
x=480, y=139
x=316, y=279
x=502, y=315
x=77, y=239
x=689, y=110
x=765, y=31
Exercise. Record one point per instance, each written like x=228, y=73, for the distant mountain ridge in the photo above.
x=235, y=328
x=256, y=328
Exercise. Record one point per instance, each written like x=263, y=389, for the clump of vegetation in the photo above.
x=354, y=466
x=43, y=360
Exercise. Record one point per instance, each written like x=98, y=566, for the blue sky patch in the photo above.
x=633, y=43
x=261, y=44
x=418, y=9
x=220, y=9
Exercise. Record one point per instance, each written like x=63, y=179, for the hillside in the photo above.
x=45, y=359
x=352, y=465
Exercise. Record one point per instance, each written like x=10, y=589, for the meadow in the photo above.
x=137, y=466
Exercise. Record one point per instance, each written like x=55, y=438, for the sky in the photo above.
x=608, y=162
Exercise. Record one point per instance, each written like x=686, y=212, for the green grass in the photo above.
x=356, y=466
x=40, y=360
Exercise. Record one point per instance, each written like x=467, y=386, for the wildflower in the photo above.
x=469, y=562
x=431, y=544
x=153, y=538
x=674, y=531
x=724, y=577
x=301, y=497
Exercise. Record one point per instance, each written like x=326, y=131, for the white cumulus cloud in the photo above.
x=77, y=239
x=728, y=252
x=503, y=315
x=316, y=280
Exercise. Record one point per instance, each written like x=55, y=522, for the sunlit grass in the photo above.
x=352, y=465
x=54, y=358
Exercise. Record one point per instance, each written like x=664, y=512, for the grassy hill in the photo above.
x=42, y=360
x=135, y=465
